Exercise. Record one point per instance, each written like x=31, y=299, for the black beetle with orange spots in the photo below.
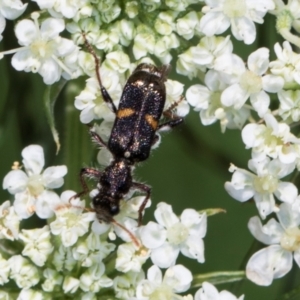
x=133, y=134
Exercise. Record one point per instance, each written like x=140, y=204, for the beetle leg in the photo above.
x=145, y=188
x=105, y=94
x=86, y=172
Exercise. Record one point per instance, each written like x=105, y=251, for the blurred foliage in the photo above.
x=188, y=170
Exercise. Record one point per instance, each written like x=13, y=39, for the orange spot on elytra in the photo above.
x=126, y=112
x=151, y=121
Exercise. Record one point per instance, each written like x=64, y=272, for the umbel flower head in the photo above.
x=72, y=254
x=33, y=188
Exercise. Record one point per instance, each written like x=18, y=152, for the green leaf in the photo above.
x=51, y=94
x=218, y=277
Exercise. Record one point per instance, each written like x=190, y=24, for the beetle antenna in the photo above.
x=132, y=236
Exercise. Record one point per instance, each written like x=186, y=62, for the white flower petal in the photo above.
x=52, y=176
x=214, y=23
x=286, y=192
x=240, y=194
x=65, y=47
x=235, y=96
x=260, y=102
x=243, y=29
x=198, y=95
x=267, y=234
x=178, y=277
x=272, y=83
x=194, y=248
x=153, y=235
x=50, y=28
x=258, y=61
x=50, y=71
x=154, y=275
x=26, y=32
x=14, y=10
x=164, y=215
x=207, y=292
x=15, y=181
x=289, y=215
x=33, y=159
x=164, y=256
x=24, y=205
x=22, y=60
x=265, y=204
x=249, y=135
x=46, y=204
x=268, y=264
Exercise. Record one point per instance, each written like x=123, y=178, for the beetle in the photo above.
x=133, y=134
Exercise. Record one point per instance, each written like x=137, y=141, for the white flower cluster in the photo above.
x=235, y=93
x=70, y=255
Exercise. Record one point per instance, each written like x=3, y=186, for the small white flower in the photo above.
x=70, y=284
x=125, y=285
x=178, y=5
x=240, y=14
x=92, y=250
x=4, y=271
x=205, y=54
x=126, y=31
x=173, y=235
x=43, y=51
x=129, y=258
x=31, y=188
x=132, y=9
x=209, y=292
x=248, y=82
x=273, y=139
x=90, y=100
x=287, y=64
x=185, y=26
x=186, y=66
x=94, y=279
x=110, y=14
x=164, y=45
x=63, y=259
x=207, y=100
x=30, y=294
x=37, y=244
x=70, y=222
x=117, y=61
x=174, y=91
x=67, y=9
x=52, y=279
x=9, y=222
x=276, y=260
x=164, y=23
x=107, y=40
x=22, y=272
x=144, y=42
x=177, y=279
x=289, y=108
x=263, y=186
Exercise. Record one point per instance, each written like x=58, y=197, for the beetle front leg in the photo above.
x=147, y=190
x=86, y=172
x=105, y=94
x=97, y=138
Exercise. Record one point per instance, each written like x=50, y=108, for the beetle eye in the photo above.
x=114, y=210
